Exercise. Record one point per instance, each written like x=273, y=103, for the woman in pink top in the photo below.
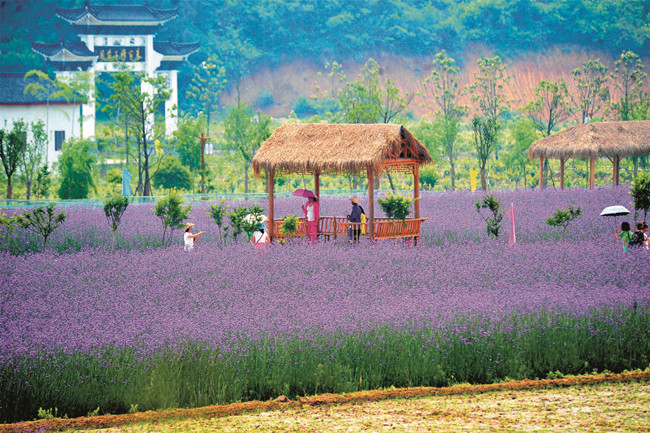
x=310, y=209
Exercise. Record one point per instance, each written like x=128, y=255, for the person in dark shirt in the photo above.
x=355, y=217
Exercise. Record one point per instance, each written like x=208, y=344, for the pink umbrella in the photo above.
x=304, y=193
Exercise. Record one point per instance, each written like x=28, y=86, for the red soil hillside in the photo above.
x=291, y=80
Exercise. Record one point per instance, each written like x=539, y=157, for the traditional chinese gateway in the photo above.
x=114, y=38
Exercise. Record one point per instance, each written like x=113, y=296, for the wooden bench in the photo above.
x=302, y=229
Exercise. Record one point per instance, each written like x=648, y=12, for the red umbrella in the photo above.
x=304, y=193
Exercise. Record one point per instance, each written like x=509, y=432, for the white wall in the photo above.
x=59, y=119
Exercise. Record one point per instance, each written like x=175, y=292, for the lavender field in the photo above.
x=83, y=327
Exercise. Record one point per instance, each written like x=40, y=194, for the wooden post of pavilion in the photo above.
x=371, y=202
x=561, y=173
x=317, y=185
x=541, y=172
x=592, y=172
x=616, y=163
x=269, y=185
x=416, y=189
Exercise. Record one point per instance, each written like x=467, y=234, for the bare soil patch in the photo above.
x=598, y=403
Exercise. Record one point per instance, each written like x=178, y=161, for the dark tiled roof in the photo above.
x=77, y=48
x=12, y=90
x=126, y=13
x=169, y=65
x=175, y=48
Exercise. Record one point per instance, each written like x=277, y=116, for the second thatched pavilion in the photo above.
x=317, y=149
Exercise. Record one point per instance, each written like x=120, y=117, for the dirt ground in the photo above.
x=603, y=403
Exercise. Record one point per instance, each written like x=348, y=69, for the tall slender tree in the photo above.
x=590, y=81
x=34, y=156
x=244, y=133
x=208, y=81
x=550, y=106
x=485, y=137
x=442, y=94
x=12, y=147
x=628, y=77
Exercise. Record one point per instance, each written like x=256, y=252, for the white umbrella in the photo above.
x=615, y=211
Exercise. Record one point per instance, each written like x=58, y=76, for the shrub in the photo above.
x=562, y=218
x=493, y=222
x=289, y=225
x=172, y=174
x=171, y=214
x=114, y=208
x=396, y=206
x=217, y=212
x=640, y=192
x=41, y=220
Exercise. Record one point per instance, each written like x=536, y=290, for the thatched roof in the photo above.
x=593, y=140
x=336, y=148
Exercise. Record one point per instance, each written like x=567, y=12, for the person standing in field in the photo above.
x=260, y=236
x=355, y=217
x=312, y=215
x=189, y=237
x=625, y=235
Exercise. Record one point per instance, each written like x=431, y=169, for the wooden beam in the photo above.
x=592, y=172
x=269, y=185
x=401, y=161
x=416, y=189
x=561, y=173
x=371, y=202
x=541, y=172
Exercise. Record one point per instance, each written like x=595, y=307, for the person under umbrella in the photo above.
x=312, y=215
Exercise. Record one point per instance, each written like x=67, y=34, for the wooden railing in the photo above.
x=335, y=227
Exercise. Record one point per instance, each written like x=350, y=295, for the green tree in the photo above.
x=563, y=217
x=208, y=81
x=522, y=135
x=140, y=108
x=43, y=182
x=172, y=174
x=44, y=88
x=590, y=82
x=550, y=106
x=485, y=137
x=114, y=208
x=186, y=141
x=171, y=212
x=12, y=148
x=628, y=79
x=640, y=192
x=494, y=216
x=442, y=90
x=217, y=212
x=42, y=220
x=34, y=155
x=487, y=87
x=244, y=133
x=76, y=168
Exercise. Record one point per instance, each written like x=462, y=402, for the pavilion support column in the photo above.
x=371, y=202
x=617, y=164
x=416, y=189
x=541, y=172
x=592, y=172
x=269, y=186
x=561, y=173
x=317, y=185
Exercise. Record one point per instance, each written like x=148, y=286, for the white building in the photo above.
x=61, y=117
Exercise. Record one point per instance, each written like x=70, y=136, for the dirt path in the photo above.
x=604, y=403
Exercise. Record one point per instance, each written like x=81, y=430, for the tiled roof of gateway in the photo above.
x=77, y=48
x=12, y=91
x=126, y=13
x=175, y=48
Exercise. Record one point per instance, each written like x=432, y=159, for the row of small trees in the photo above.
x=489, y=208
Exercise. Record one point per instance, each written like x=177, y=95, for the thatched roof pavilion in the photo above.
x=594, y=140
x=340, y=148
